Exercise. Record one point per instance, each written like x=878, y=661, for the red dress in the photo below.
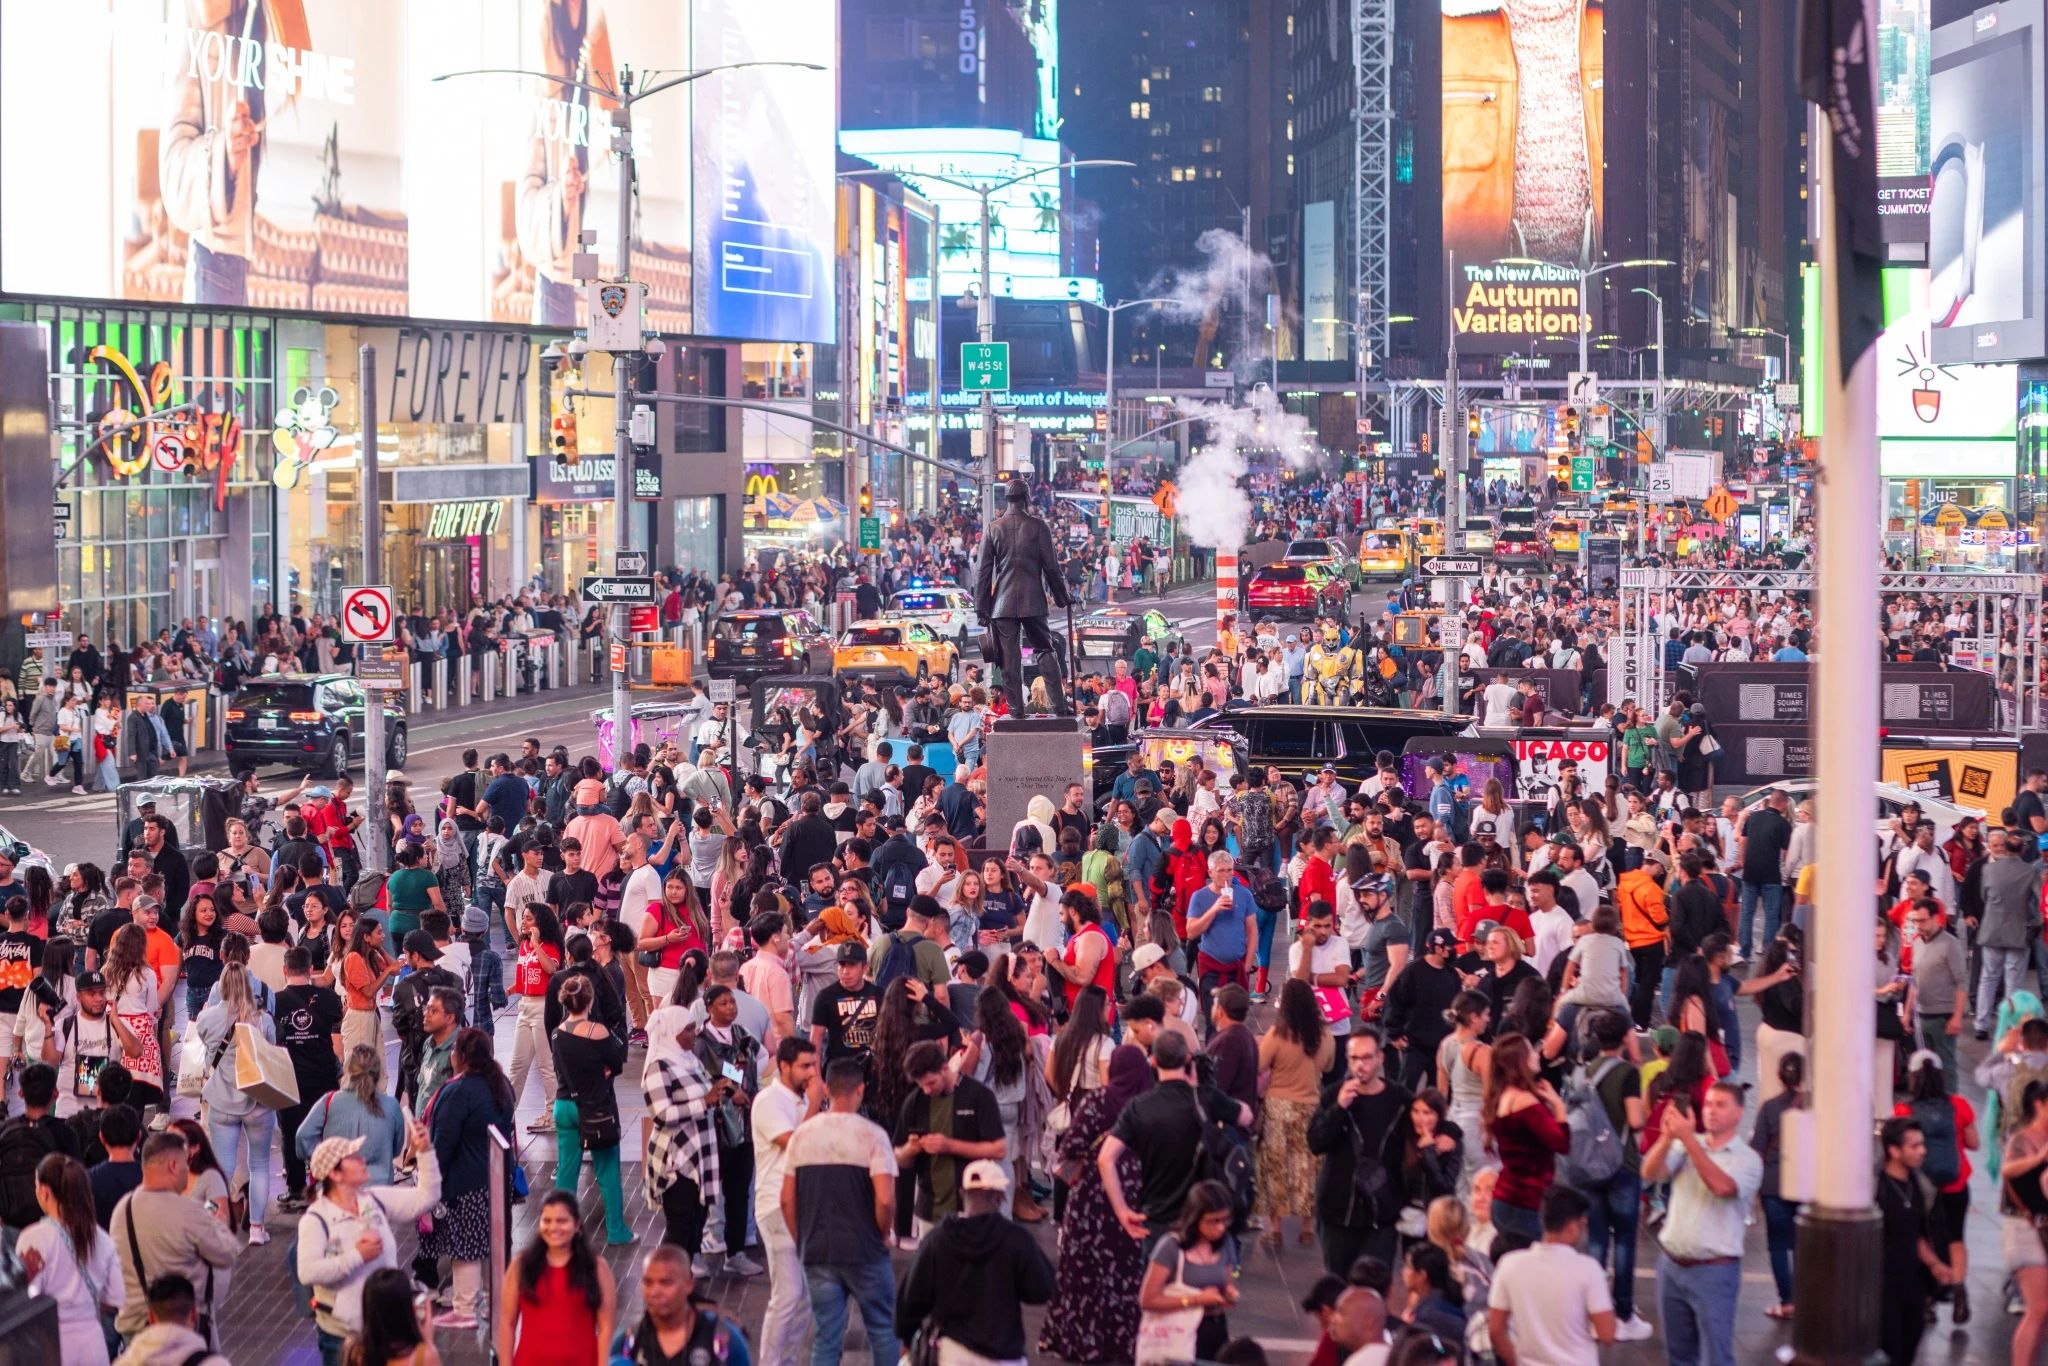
x=557, y=1326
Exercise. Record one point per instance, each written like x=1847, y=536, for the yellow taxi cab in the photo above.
x=1429, y=535
x=1563, y=534
x=888, y=645
x=1620, y=505
x=1385, y=553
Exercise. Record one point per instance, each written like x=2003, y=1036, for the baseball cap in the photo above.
x=329, y=1155
x=1482, y=828
x=422, y=943
x=476, y=920
x=851, y=952
x=985, y=1175
x=1443, y=938
x=1145, y=956
x=91, y=981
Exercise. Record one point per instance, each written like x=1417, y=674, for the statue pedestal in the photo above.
x=1026, y=757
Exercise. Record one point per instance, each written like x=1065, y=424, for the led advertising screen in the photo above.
x=1523, y=143
x=298, y=155
x=1902, y=119
x=1986, y=224
x=765, y=157
x=1921, y=398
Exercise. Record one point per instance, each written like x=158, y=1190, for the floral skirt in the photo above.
x=1287, y=1170
x=463, y=1233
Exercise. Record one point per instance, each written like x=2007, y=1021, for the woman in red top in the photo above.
x=540, y=955
x=1525, y=1125
x=559, y=1300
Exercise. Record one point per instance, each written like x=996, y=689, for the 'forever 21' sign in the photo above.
x=463, y=376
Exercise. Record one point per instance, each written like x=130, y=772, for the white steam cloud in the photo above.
x=1227, y=275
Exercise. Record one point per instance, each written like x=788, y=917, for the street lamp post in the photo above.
x=1656, y=409
x=1586, y=277
x=1784, y=348
x=985, y=311
x=625, y=96
x=1109, y=374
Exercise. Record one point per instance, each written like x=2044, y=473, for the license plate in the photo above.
x=266, y=723
x=872, y=658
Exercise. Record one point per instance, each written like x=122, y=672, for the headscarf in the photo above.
x=1130, y=1076
x=448, y=850
x=662, y=1027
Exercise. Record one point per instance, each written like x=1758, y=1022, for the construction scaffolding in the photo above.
x=1636, y=669
x=1372, y=65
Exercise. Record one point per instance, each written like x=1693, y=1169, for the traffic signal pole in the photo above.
x=623, y=366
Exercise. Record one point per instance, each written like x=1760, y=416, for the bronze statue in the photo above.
x=1016, y=583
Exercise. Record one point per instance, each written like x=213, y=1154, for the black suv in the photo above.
x=308, y=721
x=784, y=640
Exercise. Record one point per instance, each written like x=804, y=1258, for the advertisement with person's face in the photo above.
x=1985, y=248
x=1522, y=132
x=240, y=153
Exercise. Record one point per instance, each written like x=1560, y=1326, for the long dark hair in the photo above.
x=359, y=942
x=1004, y=1036
x=1204, y=1199
x=1003, y=976
x=1301, y=1016
x=65, y=1179
x=474, y=1057
x=1088, y=1022
x=390, y=1327
x=1430, y=1262
x=1689, y=1072
x=895, y=1032
x=533, y=1258
x=1692, y=979
x=194, y=1134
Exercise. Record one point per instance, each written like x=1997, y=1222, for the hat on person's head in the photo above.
x=1925, y=1057
x=1442, y=937
x=146, y=804
x=852, y=952
x=91, y=981
x=1482, y=929
x=984, y=1174
x=422, y=943
x=476, y=920
x=1658, y=857
x=1375, y=882
x=1145, y=956
x=1664, y=1037
x=1486, y=828
x=329, y=1155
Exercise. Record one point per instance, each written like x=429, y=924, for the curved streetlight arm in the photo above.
x=628, y=99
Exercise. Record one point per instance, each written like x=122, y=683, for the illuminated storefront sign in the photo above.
x=191, y=442
x=471, y=517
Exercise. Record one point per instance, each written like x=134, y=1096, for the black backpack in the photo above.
x=899, y=885
x=24, y=1143
x=1226, y=1156
x=899, y=959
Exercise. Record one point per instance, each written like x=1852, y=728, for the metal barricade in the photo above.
x=465, y=681
x=440, y=682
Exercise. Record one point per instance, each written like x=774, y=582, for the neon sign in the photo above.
x=206, y=442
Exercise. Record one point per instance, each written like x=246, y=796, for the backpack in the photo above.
x=1595, y=1154
x=616, y=797
x=899, y=885
x=899, y=959
x=24, y=1143
x=1937, y=1120
x=1225, y=1157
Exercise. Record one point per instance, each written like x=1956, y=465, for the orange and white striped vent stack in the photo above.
x=1226, y=586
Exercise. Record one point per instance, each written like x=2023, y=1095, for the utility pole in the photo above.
x=1656, y=421
x=623, y=366
x=985, y=323
x=1454, y=480
x=375, y=827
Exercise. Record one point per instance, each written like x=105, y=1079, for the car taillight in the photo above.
x=788, y=646
x=305, y=716
x=237, y=714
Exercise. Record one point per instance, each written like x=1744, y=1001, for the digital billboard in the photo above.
x=1902, y=119
x=1921, y=398
x=1986, y=223
x=1322, y=322
x=765, y=157
x=1508, y=306
x=1523, y=129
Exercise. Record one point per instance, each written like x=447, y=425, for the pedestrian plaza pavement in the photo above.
x=259, y=1326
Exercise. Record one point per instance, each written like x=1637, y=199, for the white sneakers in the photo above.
x=1634, y=1328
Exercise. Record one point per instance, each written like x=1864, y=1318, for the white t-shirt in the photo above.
x=1500, y=698
x=1553, y=935
x=1551, y=1293
x=934, y=881
x=642, y=889
x=1332, y=955
x=777, y=1111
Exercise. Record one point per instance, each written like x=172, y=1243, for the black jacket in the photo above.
x=1432, y=1173
x=1018, y=573
x=971, y=1277
x=1336, y=1138
x=1695, y=913
x=806, y=841
x=1416, y=1003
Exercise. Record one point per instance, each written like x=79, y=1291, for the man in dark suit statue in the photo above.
x=1016, y=580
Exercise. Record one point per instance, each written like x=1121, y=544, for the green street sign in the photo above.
x=871, y=533
x=985, y=367
x=1582, y=474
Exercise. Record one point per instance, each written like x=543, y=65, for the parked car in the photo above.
x=783, y=640
x=313, y=722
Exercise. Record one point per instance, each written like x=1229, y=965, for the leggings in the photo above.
x=682, y=1206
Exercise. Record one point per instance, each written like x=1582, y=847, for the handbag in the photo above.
x=1709, y=746
x=651, y=958
x=1167, y=1337
x=600, y=1128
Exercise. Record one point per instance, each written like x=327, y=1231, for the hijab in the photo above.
x=662, y=1027
x=448, y=850
x=1130, y=1076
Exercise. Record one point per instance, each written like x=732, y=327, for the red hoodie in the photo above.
x=1190, y=869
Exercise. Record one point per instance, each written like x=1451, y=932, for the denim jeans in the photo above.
x=2004, y=972
x=1697, y=1306
x=257, y=1126
x=1773, y=895
x=1616, y=1208
x=330, y=1347
x=872, y=1286
x=1935, y=1038
x=1524, y=1223
x=1781, y=1232
x=604, y=1164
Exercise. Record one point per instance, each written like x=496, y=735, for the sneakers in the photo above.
x=78, y=791
x=1634, y=1328
x=740, y=1264
x=637, y=1036
x=542, y=1125
x=258, y=1235
x=699, y=1270
x=456, y=1323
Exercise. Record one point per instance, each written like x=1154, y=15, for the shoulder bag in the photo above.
x=1167, y=1337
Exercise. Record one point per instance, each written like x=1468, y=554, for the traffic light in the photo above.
x=565, y=435
x=1570, y=423
x=867, y=501
x=1102, y=485
x=1425, y=441
x=1564, y=468
x=1472, y=424
x=1643, y=451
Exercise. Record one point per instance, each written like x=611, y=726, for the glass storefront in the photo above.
x=450, y=453
x=700, y=534
x=1954, y=522
x=174, y=521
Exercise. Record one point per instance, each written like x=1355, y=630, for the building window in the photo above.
x=1212, y=94
x=1141, y=109
x=1176, y=175
x=1290, y=163
x=1144, y=85
x=1290, y=26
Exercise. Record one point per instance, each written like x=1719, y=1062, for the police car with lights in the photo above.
x=943, y=608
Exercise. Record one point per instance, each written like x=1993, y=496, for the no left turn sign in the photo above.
x=366, y=616
x=168, y=454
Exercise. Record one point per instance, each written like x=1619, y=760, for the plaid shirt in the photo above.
x=684, y=1141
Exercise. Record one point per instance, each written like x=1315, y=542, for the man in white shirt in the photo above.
x=1498, y=703
x=777, y=1110
x=1549, y=1304
x=1552, y=923
x=1714, y=1177
x=531, y=883
x=1569, y=861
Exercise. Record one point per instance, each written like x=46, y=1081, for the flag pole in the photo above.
x=1838, y=1263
